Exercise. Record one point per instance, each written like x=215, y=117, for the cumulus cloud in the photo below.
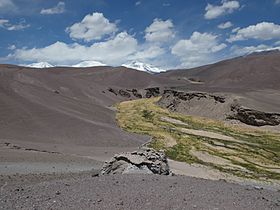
x=58, y=9
x=115, y=50
x=112, y=52
x=198, y=49
x=159, y=31
x=13, y=27
x=226, y=7
x=261, y=31
x=225, y=25
x=146, y=53
x=7, y=6
x=92, y=27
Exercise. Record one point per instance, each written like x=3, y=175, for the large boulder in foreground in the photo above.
x=144, y=161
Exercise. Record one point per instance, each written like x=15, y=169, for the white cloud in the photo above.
x=197, y=50
x=92, y=27
x=58, y=9
x=13, y=27
x=241, y=50
x=146, y=53
x=3, y=22
x=277, y=1
x=159, y=31
x=277, y=43
x=113, y=52
x=137, y=3
x=226, y=7
x=261, y=31
x=235, y=30
x=166, y=4
x=7, y=6
x=11, y=47
x=225, y=25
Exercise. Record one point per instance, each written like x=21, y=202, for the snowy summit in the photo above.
x=84, y=64
x=40, y=65
x=143, y=67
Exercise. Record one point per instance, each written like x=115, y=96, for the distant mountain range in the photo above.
x=133, y=65
x=140, y=66
x=82, y=64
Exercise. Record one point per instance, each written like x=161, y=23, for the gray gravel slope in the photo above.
x=135, y=192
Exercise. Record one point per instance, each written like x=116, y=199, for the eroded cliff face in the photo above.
x=254, y=117
x=215, y=106
x=196, y=103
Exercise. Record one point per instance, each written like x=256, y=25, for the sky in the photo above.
x=165, y=33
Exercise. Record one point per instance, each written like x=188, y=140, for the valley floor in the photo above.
x=52, y=178
x=233, y=151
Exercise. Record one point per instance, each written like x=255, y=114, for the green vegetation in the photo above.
x=241, y=152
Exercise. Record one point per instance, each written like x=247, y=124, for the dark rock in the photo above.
x=152, y=92
x=128, y=93
x=136, y=94
x=254, y=117
x=112, y=91
x=145, y=161
x=124, y=93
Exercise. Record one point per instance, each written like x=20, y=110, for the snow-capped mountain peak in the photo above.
x=40, y=65
x=84, y=64
x=143, y=67
x=264, y=51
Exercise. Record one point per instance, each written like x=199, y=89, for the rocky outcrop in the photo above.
x=144, y=161
x=187, y=96
x=124, y=93
x=254, y=117
x=152, y=92
x=136, y=94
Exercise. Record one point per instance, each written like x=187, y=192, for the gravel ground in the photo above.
x=82, y=191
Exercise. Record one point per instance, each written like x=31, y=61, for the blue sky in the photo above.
x=165, y=33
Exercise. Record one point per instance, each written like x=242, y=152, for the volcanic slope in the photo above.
x=256, y=71
x=66, y=110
